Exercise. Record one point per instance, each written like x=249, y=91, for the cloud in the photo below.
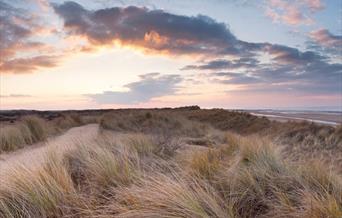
x=279, y=55
x=28, y=65
x=314, y=5
x=325, y=43
x=313, y=78
x=287, y=55
x=162, y=32
x=235, y=78
x=224, y=64
x=325, y=38
x=15, y=96
x=287, y=70
x=151, y=30
x=292, y=12
x=18, y=28
x=149, y=86
x=10, y=32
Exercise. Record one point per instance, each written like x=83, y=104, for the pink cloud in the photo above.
x=28, y=65
x=292, y=12
x=314, y=5
x=294, y=16
x=325, y=38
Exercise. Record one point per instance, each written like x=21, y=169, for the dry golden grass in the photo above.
x=240, y=122
x=168, y=196
x=14, y=137
x=103, y=166
x=205, y=164
x=128, y=178
x=143, y=144
x=29, y=130
x=301, y=140
x=153, y=122
x=140, y=173
x=47, y=191
x=37, y=126
x=67, y=121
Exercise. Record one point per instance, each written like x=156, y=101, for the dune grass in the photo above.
x=67, y=121
x=103, y=166
x=127, y=177
x=153, y=122
x=32, y=129
x=46, y=191
x=235, y=121
x=147, y=168
x=37, y=126
x=14, y=137
x=29, y=130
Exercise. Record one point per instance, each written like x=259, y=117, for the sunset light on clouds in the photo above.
x=221, y=53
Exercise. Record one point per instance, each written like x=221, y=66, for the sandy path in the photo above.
x=35, y=154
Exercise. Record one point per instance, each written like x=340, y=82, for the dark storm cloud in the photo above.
x=149, y=86
x=155, y=30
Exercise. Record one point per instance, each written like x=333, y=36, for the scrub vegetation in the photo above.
x=184, y=163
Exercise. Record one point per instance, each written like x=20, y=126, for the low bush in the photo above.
x=153, y=122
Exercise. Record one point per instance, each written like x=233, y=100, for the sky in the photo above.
x=234, y=54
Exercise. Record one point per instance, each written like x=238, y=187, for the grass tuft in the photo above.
x=30, y=130
x=37, y=127
x=43, y=192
